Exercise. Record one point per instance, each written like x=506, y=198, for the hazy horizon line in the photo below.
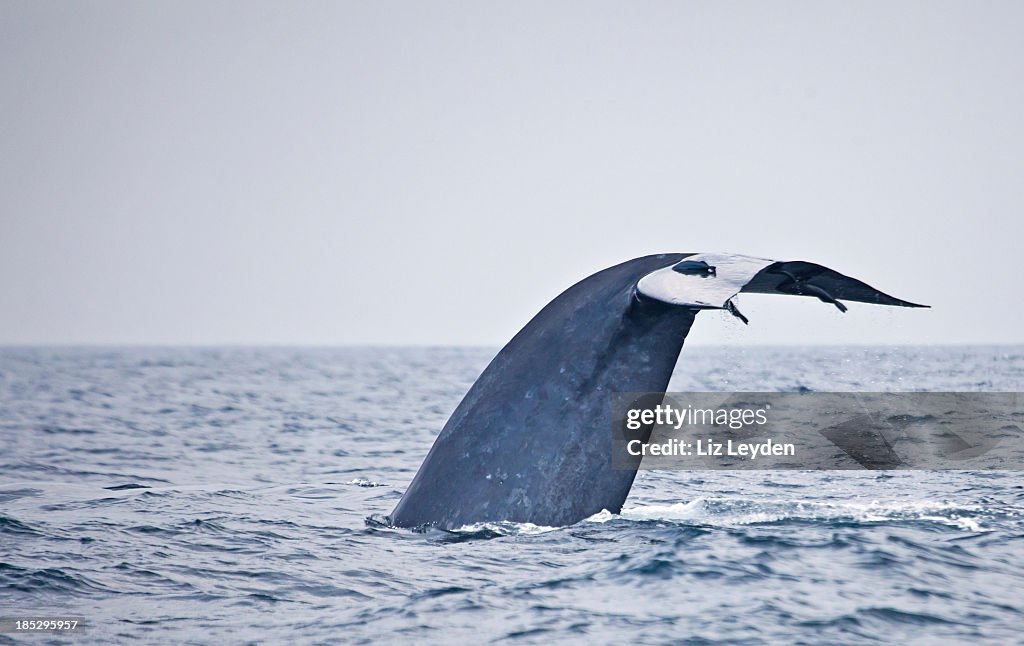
x=387, y=345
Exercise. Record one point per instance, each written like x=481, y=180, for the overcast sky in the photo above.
x=435, y=172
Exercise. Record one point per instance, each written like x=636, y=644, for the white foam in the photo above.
x=741, y=511
x=506, y=528
x=363, y=482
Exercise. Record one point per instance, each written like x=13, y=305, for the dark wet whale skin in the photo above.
x=530, y=442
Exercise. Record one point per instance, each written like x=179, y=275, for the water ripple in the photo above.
x=239, y=495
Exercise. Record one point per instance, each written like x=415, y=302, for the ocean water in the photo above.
x=232, y=495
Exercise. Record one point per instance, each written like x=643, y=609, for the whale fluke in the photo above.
x=530, y=441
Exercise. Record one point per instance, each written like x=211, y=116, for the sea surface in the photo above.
x=233, y=495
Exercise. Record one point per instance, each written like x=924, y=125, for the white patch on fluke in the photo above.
x=732, y=272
